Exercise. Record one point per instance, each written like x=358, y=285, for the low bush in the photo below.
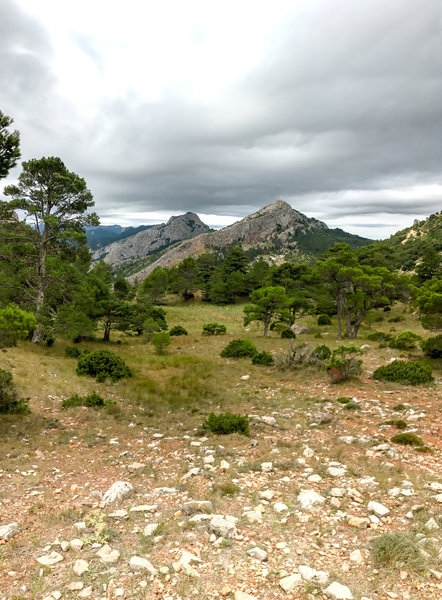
x=214, y=329
x=397, y=319
x=160, y=341
x=178, y=330
x=407, y=439
x=324, y=320
x=226, y=423
x=72, y=352
x=263, y=358
x=342, y=366
x=288, y=334
x=9, y=400
x=343, y=400
x=93, y=401
x=15, y=325
x=398, y=550
x=239, y=349
x=300, y=355
x=352, y=406
x=321, y=353
x=402, y=371
x=102, y=364
x=432, y=347
x=379, y=336
x=406, y=340
x=398, y=423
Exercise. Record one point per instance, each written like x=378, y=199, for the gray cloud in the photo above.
x=346, y=98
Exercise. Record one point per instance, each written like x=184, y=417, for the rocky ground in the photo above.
x=292, y=512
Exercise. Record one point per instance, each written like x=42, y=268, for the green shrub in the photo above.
x=432, y=347
x=288, y=334
x=226, y=423
x=402, y=371
x=321, y=353
x=400, y=407
x=15, y=325
x=160, y=341
x=239, y=349
x=341, y=367
x=324, y=320
x=263, y=358
x=407, y=439
x=379, y=336
x=397, y=319
x=352, y=406
x=72, y=352
x=178, y=330
x=102, y=364
x=9, y=400
x=398, y=550
x=93, y=401
x=344, y=400
x=398, y=423
x=406, y=340
x=214, y=329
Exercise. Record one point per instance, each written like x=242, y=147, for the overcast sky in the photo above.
x=222, y=107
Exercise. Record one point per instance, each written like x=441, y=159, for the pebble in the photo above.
x=310, y=498
x=137, y=563
x=266, y=467
x=116, y=492
x=289, y=583
x=50, y=559
x=378, y=509
x=257, y=553
x=337, y=591
x=241, y=596
x=80, y=567
x=108, y=555
x=7, y=532
x=221, y=526
x=197, y=506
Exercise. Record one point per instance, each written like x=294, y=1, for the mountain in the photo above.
x=276, y=232
x=151, y=240
x=101, y=235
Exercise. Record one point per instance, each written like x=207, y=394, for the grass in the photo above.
x=398, y=550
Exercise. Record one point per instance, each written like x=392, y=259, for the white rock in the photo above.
x=338, y=591
x=280, y=507
x=357, y=557
x=137, y=563
x=266, y=467
x=267, y=494
x=187, y=558
x=80, y=567
x=438, y=498
x=150, y=529
x=257, y=553
x=310, y=498
x=269, y=421
x=336, y=471
x=243, y=596
x=76, y=544
x=309, y=574
x=224, y=465
x=86, y=593
x=118, y=514
x=144, y=508
x=432, y=524
x=435, y=486
x=75, y=586
x=222, y=526
x=197, y=506
x=289, y=583
x=337, y=492
x=253, y=516
x=50, y=559
x=108, y=555
x=378, y=509
x=116, y=492
x=7, y=532
x=209, y=460
x=314, y=478
x=191, y=473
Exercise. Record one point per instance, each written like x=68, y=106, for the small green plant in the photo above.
x=342, y=366
x=226, y=423
x=9, y=400
x=400, y=407
x=102, y=364
x=15, y=325
x=72, y=352
x=380, y=336
x=227, y=489
x=239, y=349
x=352, y=406
x=398, y=423
x=407, y=439
x=406, y=340
x=343, y=400
x=263, y=358
x=324, y=320
x=397, y=319
x=287, y=333
x=398, y=550
x=401, y=371
x=160, y=341
x=214, y=329
x=432, y=347
x=321, y=353
x=92, y=401
x=178, y=330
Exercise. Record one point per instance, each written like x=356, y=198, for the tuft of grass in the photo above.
x=397, y=550
x=343, y=400
x=228, y=489
x=398, y=423
x=226, y=423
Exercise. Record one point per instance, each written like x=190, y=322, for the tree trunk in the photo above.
x=107, y=330
x=38, y=335
x=339, y=318
x=266, y=327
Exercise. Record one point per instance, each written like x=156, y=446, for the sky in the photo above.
x=223, y=107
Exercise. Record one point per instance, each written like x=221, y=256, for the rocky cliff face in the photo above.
x=151, y=240
x=273, y=224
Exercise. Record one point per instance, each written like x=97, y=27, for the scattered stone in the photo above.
x=267, y=494
x=75, y=586
x=7, y=532
x=432, y=524
x=86, y=593
x=108, y=555
x=357, y=557
x=116, y=492
x=144, y=508
x=80, y=567
x=118, y=514
x=266, y=467
x=150, y=529
x=289, y=583
x=378, y=509
x=257, y=553
x=360, y=522
x=337, y=591
x=241, y=595
x=197, y=506
x=269, y=421
x=50, y=559
x=222, y=526
x=309, y=574
x=76, y=544
x=224, y=465
x=137, y=563
x=135, y=466
x=192, y=473
x=310, y=498
x=336, y=471
x=280, y=507
x=253, y=516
